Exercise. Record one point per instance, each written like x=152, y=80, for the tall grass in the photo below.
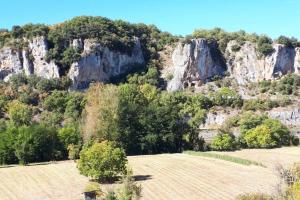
x=237, y=160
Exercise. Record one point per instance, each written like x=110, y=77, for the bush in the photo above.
x=224, y=142
x=69, y=135
x=226, y=97
x=19, y=113
x=259, y=104
x=271, y=133
x=37, y=143
x=264, y=45
x=260, y=137
x=102, y=161
x=7, y=150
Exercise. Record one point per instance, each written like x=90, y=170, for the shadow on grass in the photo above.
x=142, y=177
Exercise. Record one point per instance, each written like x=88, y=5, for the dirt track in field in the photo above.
x=164, y=176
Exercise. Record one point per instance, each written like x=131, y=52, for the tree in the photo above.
x=260, y=137
x=102, y=161
x=19, y=113
x=7, y=150
x=226, y=97
x=37, y=143
x=100, y=114
x=69, y=135
x=224, y=142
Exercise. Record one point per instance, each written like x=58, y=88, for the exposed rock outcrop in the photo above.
x=193, y=63
x=30, y=60
x=99, y=63
x=245, y=65
x=10, y=62
x=38, y=48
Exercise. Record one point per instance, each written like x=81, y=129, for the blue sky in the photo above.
x=272, y=17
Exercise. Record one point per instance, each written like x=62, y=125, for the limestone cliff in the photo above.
x=197, y=62
x=193, y=63
x=246, y=65
x=98, y=63
x=30, y=60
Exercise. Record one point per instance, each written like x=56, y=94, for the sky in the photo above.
x=179, y=17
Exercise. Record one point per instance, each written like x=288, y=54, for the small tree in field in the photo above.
x=102, y=161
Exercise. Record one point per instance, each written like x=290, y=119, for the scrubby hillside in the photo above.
x=91, y=78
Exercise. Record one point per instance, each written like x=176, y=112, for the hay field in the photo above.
x=164, y=176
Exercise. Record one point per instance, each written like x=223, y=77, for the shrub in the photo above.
x=37, y=143
x=56, y=101
x=285, y=41
x=264, y=45
x=271, y=133
x=250, y=120
x=19, y=113
x=226, y=97
x=69, y=135
x=259, y=104
x=102, y=161
x=7, y=150
x=224, y=142
x=260, y=137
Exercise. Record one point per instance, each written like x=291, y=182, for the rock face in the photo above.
x=99, y=63
x=36, y=64
x=10, y=62
x=198, y=61
x=30, y=60
x=289, y=117
x=245, y=65
x=193, y=63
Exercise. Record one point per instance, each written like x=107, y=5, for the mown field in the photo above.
x=164, y=176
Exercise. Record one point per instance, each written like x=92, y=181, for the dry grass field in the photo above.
x=164, y=176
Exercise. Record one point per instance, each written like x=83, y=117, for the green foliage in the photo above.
x=29, y=31
x=56, y=101
x=288, y=84
x=102, y=161
x=19, y=113
x=250, y=120
x=37, y=143
x=224, y=157
x=222, y=37
x=289, y=42
x=260, y=137
x=264, y=45
x=226, y=97
x=69, y=135
x=259, y=104
x=7, y=150
x=224, y=142
x=268, y=134
x=70, y=55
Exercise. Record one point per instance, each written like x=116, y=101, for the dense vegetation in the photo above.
x=41, y=120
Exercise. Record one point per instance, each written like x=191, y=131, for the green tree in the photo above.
x=37, y=143
x=7, y=150
x=260, y=137
x=102, y=161
x=19, y=113
x=224, y=142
